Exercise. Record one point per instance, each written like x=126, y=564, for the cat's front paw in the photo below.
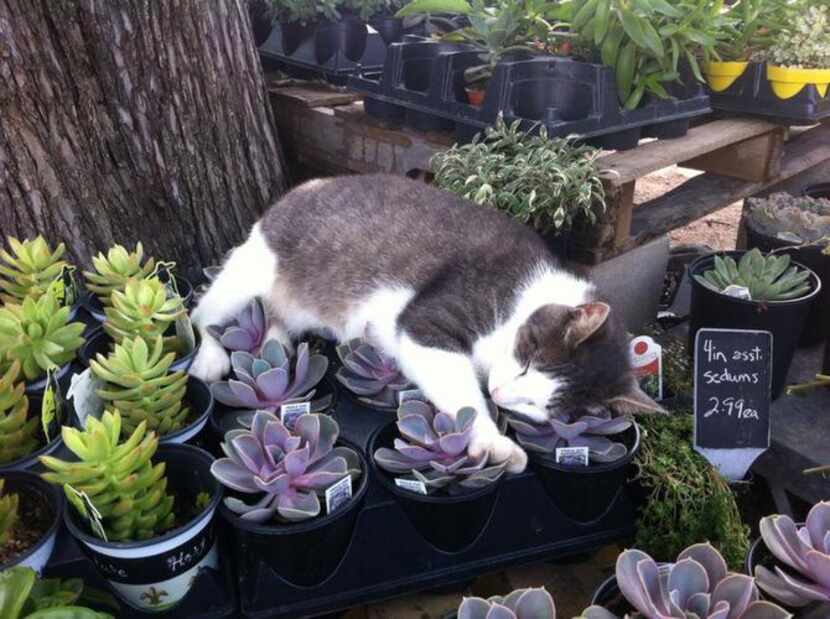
x=212, y=362
x=498, y=448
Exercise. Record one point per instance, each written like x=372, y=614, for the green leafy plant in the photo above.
x=30, y=269
x=113, y=271
x=24, y=596
x=306, y=11
x=768, y=278
x=805, y=42
x=143, y=309
x=141, y=386
x=549, y=183
x=750, y=27
x=8, y=512
x=18, y=433
x=119, y=478
x=38, y=334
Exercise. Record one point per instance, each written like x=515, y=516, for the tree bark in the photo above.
x=127, y=120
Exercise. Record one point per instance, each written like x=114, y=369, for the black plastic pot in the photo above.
x=347, y=35
x=295, y=34
x=261, y=13
x=99, y=342
x=28, y=486
x=822, y=190
x=63, y=375
x=451, y=523
x=156, y=574
x=31, y=461
x=586, y=493
x=389, y=28
x=94, y=308
x=609, y=597
x=784, y=319
x=303, y=554
x=200, y=400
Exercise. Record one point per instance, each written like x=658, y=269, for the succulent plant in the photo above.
x=143, y=309
x=521, y=604
x=38, y=334
x=119, y=477
x=804, y=549
x=289, y=468
x=697, y=586
x=569, y=430
x=113, y=271
x=268, y=381
x=8, y=512
x=18, y=433
x=768, y=278
x=141, y=386
x=25, y=596
x=370, y=374
x=246, y=332
x=30, y=269
x=434, y=449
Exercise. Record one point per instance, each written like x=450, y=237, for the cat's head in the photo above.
x=566, y=359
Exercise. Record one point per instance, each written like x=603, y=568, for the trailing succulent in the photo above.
x=569, y=430
x=18, y=433
x=141, y=386
x=806, y=550
x=25, y=596
x=697, y=586
x=113, y=271
x=290, y=469
x=270, y=380
x=122, y=483
x=246, y=332
x=30, y=269
x=39, y=335
x=520, y=604
x=768, y=278
x=8, y=512
x=370, y=374
x=143, y=309
x=433, y=449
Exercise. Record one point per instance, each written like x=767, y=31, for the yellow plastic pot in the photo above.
x=787, y=82
x=721, y=75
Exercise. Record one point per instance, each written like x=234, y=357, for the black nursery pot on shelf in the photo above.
x=348, y=35
x=295, y=34
x=31, y=461
x=451, y=523
x=99, y=342
x=784, y=319
x=609, y=597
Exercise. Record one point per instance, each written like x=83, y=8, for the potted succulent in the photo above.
x=245, y=332
x=519, y=604
x=30, y=516
x=775, y=295
x=800, y=55
x=25, y=596
x=143, y=514
x=288, y=471
x=371, y=375
x=423, y=460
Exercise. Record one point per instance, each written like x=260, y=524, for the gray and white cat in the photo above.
x=461, y=295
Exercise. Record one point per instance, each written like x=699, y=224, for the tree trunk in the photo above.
x=127, y=120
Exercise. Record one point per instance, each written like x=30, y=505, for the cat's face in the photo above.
x=565, y=359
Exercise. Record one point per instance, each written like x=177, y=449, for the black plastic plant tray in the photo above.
x=422, y=86
x=752, y=94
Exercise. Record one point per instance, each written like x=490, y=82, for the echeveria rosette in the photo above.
x=567, y=430
x=804, y=549
x=270, y=380
x=520, y=604
x=433, y=449
x=370, y=374
x=246, y=332
x=697, y=586
x=289, y=469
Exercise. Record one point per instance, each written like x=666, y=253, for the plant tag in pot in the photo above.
x=738, y=292
x=183, y=325
x=413, y=485
x=84, y=395
x=51, y=407
x=410, y=394
x=290, y=412
x=572, y=456
x=338, y=494
x=88, y=511
x=647, y=363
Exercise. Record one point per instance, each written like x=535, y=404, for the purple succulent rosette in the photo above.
x=806, y=550
x=568, y=430
x=433, y=449
x=290, y=469
x=246, y=332
x=698, y=585
x=520, y=604
x=370, y=374
x=270, y=380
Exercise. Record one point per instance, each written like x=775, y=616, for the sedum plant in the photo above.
x=370, y=374
x=25, y=596
x=29, y=269
x=9, y=504
x=433, y=449
x=520, y=604
x=805, y=553
x=805, y=42
x=18, y=433
x=122, y=483
x=143, y=309
x=768, y=278
x=113, y=271
x=272, y=379
x=39, y=335
x=697, y=586
x=141, y=387
x=246, y=332
x=290, y=469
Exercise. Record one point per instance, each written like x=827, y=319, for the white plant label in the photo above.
x=290, y=412
x=339, y=493
x=91, y=513
x=647, y=363
x=413, y=485
x=410, y=394
x=572, y=456
x=84, y=394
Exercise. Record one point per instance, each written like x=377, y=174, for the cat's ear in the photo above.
x=634, y=400
x=585, y=321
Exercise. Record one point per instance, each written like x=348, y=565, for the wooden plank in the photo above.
x=755, y=159
x=625, y=211
x=311, y=94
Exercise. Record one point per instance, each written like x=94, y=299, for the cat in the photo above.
x=460, y=294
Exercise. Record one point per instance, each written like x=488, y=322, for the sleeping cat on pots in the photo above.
x=461, y=295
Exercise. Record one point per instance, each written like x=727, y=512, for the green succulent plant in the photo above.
x=18, y=433
x=113, y=271
x=122, y=483
x=143, y=310
x=768, y=278
x=29, y=269
x=141, y=387
x=25, y=596
x=38, y=334
x=8, y=513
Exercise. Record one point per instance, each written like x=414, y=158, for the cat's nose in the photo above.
x=496, y=393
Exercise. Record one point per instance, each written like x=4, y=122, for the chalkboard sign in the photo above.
x=733, y=377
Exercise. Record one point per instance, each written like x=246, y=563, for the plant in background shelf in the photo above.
x=113, y=271
x=246, y=332
x=370, y=374
x=143, y=309
x=18, y=433
x=25, y=596
x=520, y=604
x=799, y=220
x=768, y=278
x=30, y=269
x=291, y=469
x=801, y=53
x=9, y=504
